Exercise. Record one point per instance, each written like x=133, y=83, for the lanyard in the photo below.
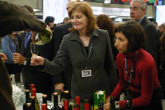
x=132, y=69
x=88, y=55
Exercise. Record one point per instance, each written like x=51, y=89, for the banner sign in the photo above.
x=111, y=11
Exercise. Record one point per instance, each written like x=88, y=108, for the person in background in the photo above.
x=162, y=28
x=137, y=70
x=88, y=49
x=16, y=23
x=49, y=20
x=10, y=45
x=66, y=20
x=63, y=80
x=31, y=75
x=162, y=48
x=106, y=23
x=138, y=10
x=156, y=25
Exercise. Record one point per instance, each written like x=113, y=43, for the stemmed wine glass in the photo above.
x=34, y=49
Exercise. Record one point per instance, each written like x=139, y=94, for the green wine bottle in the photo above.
x=43, y=37
x=37, y=106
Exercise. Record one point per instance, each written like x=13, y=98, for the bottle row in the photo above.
x=71, y=104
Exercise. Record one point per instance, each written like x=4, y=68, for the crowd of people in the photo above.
x=86, y=54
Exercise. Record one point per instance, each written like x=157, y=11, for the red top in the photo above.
x=144, y=81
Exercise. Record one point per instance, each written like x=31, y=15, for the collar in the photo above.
x=131, y=55
x=75, y=35
x=141, y=19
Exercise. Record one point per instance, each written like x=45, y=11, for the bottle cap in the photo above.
x=66, y=105
x=34, y=92
x=44, y=107
x=32, y=86
x=86, y=104
x=77, y=100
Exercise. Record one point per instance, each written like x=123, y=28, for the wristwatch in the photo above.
x=117, y=105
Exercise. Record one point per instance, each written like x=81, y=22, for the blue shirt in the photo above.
x=8, y=48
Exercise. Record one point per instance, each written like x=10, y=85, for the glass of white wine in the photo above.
x=34, y=48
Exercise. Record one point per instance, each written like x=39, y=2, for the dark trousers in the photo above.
x=14, y=69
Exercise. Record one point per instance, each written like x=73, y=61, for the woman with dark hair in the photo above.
x=137, y=70
x=105, y=22
x=89, y=51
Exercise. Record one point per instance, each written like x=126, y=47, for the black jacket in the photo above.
x=100, y=61
x=152, y=42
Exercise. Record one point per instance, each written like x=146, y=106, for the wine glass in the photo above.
x=34, y=48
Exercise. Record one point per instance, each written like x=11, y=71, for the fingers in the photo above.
x=106, y=106
x=3, y=57
x=60, y=86
x=35, y=61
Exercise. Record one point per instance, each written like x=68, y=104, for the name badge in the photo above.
x=86, y=73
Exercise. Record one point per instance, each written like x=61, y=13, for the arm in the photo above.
x=6, y=48
x=148, y=75
x=110, y=64
x=120, y=86
x=17, y=18
x=57, y=65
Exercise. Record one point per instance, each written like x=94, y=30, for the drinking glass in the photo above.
x=34, y=48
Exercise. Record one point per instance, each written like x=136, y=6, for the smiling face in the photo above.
x=79, y=20
x=121, y=42
x=136, y=12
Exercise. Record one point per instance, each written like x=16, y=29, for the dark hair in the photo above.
x=49, y=19
x=85, y=8
x=135, y=34
x=155, y=22
x=105, y=22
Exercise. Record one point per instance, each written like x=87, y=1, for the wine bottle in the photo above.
x=43, y=37
x=37, y=106
x=65, y=105
x=128, y=105
x=44, y=99
x=27, y=99
x=86, y=104
x=55, y=97
x=66, y=94
x=112, y=102
x=44, y=106
x=76, y=106
x=129, y=102
x=32, y=98
x=100, y=105
x=31, y=87
x=28, y=106
x=77, y=100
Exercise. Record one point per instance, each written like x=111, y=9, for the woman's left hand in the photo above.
x=106, y=106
